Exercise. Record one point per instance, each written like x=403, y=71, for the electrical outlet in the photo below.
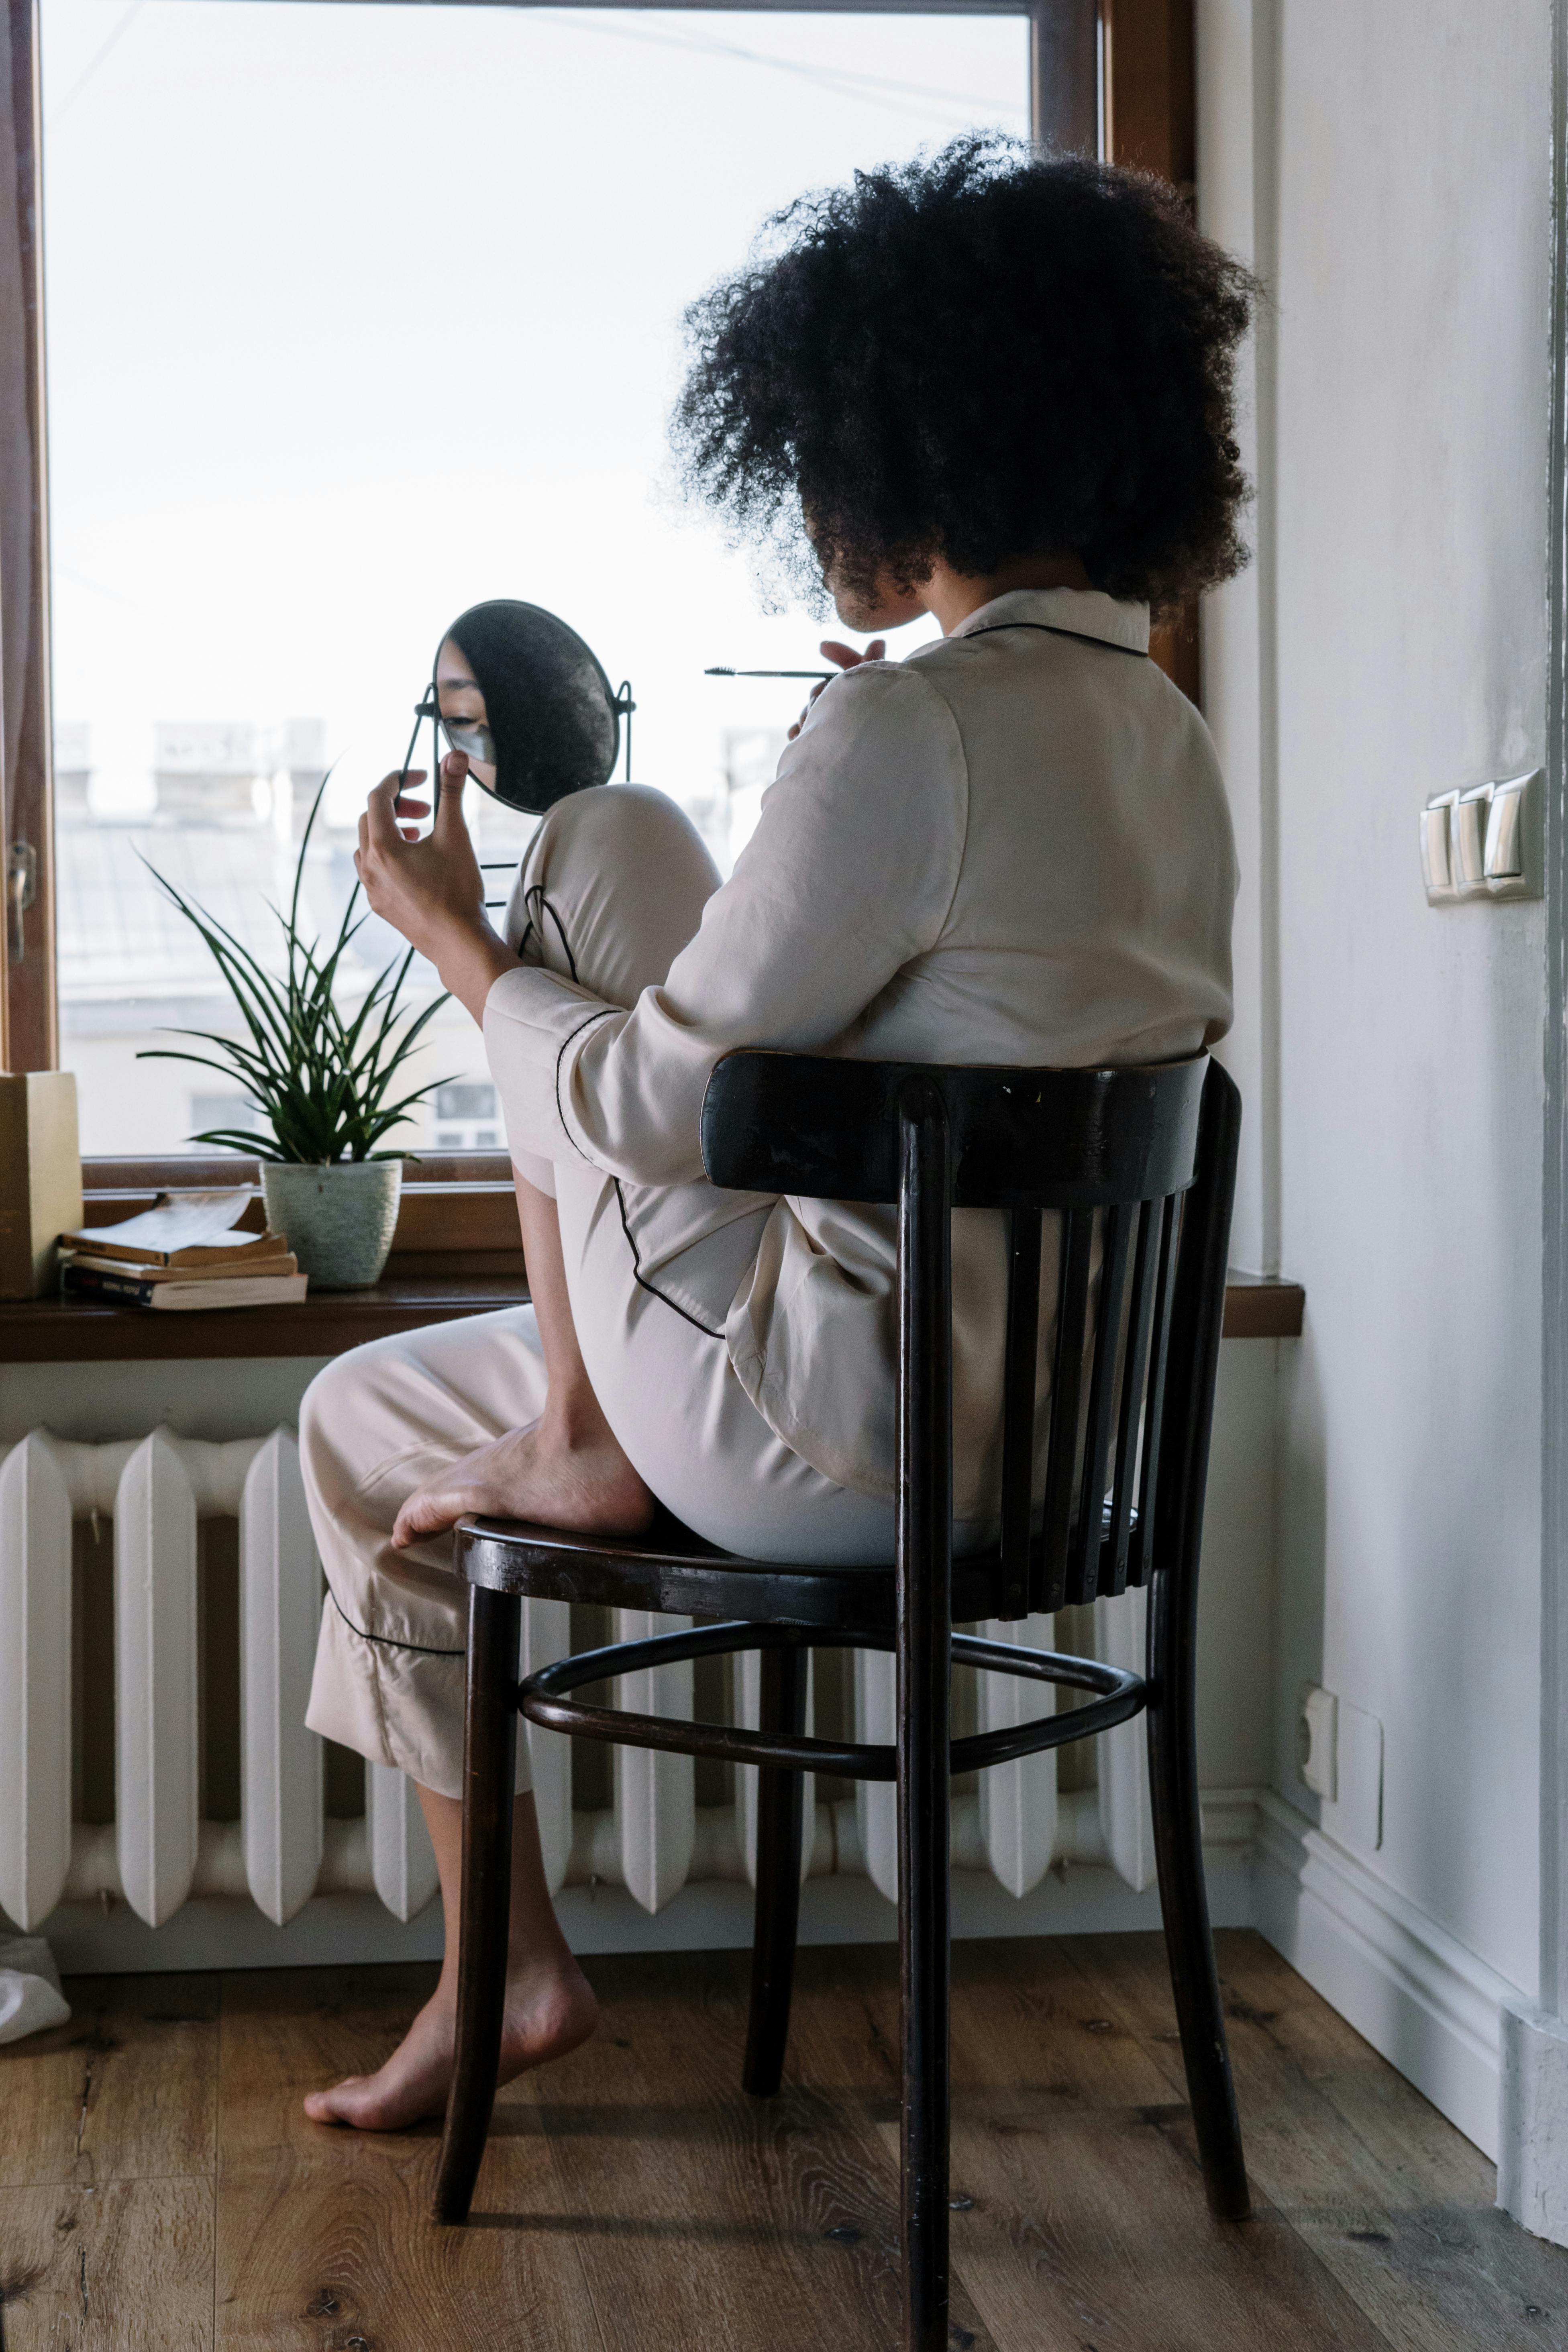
x=1317, y=1740
x=1339, y=1755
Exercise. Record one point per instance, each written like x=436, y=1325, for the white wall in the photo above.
x=1389, y=168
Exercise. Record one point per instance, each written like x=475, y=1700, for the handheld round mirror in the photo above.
x=537, y=715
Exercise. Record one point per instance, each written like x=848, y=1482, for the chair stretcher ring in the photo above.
x=541, y=1697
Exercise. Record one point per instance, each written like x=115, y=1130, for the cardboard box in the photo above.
x=41, y=1177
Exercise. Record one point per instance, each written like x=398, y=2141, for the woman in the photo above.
x=988, y=387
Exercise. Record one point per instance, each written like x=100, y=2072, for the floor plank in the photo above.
x=1080, y=2215
x=123, y=2267
x=711, y=2219
x=324, y=2237
x=127, y=2090
x=161, y=2188
x=1400, y=2213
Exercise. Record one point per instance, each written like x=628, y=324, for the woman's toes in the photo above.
x=325, y=2107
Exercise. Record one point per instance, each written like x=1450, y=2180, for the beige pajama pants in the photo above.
x=613, y=887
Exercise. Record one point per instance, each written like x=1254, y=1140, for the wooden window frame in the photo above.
x=1105, y=76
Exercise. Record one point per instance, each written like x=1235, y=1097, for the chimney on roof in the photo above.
x=305, y=757
x=204, y=771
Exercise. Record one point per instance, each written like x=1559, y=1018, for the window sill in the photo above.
x=78, y=1330
x=88, y=1331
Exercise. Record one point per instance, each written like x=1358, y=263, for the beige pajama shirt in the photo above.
x=1012, y=848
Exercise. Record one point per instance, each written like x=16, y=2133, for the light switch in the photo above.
x=1486, y=842
x=1435, y=846
x=1504, y=852
x=1515, y=852
x=1468, y=853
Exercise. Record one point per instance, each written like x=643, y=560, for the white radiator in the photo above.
x=653, y=1841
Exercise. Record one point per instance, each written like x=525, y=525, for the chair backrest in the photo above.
x=1139, y=1165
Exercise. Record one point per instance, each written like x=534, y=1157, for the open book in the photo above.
x=183, y=1229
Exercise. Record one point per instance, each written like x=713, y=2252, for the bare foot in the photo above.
x=585, y=1483
x=549, y=2011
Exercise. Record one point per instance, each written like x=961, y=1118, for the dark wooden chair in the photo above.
x=1139, y=1164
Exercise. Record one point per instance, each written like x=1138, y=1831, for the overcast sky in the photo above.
x=358, y=314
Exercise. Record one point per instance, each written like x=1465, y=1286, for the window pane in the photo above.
x=358, y=315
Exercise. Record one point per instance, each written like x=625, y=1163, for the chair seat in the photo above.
x=672, y=1572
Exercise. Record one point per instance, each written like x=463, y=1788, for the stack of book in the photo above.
x=181, y=1252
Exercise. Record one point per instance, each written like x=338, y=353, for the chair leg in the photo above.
x=779, y=1828
x=923, y=1580
x=1178, y=1850
x=490, y=1771
x=924, y=1969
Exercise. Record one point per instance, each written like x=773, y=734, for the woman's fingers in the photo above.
x=378, y=819
x=449, y=811
x=404, y=808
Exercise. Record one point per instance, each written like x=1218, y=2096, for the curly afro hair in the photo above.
x=972, y=357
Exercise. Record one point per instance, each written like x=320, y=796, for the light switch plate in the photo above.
x=1487, y=842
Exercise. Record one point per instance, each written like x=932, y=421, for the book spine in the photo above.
x=87, y=1282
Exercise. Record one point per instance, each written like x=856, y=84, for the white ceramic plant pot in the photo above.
x=338, y=1217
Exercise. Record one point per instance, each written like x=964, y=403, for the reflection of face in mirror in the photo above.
x=521, y=693
x=464, y=721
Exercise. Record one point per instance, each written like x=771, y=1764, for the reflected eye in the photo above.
x=472, y=736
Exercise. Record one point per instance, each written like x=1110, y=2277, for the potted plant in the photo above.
x=321, y=1079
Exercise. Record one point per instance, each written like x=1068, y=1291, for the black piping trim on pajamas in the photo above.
x=637, y=1275
x=384, y=1641
x=603, y=1015
x=641, y=1279
x=1138, y=652
x=532, y=929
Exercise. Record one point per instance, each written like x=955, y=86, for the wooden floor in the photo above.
x=160, y=2189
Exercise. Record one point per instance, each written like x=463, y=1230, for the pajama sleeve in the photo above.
x=850, y=875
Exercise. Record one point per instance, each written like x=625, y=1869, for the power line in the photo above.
x=845, y=82
x=82, y=79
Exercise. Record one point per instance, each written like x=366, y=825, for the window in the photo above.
x=383, y=319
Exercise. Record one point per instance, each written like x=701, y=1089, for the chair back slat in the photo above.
x=1083, y=1565
x=826, y=1129
x=1019, y=1362
x=1076, y=1263
x=1142, y=1551
x=1113, y=1154
x=1129, y=1417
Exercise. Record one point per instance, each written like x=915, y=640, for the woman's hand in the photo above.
x=432, y=890
x=847, y=658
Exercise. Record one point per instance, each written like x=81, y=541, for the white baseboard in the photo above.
x=1428, y=2005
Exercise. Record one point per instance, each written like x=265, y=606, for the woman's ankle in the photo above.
x=575, y=1423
